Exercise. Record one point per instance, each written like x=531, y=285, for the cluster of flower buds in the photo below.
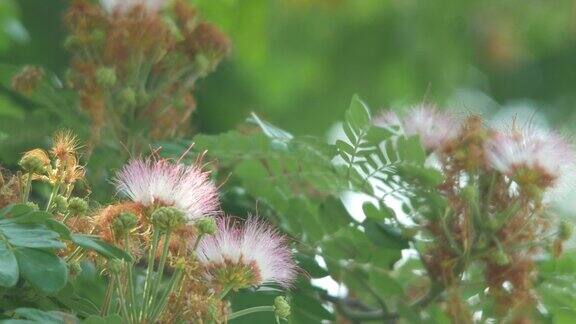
x=60, y=168
x=135, y=63
x=497, y=185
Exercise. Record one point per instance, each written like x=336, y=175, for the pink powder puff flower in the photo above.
x=434, y=127
x=387, y=118
x=249, y=255
x=531, y=154
x=164, y=183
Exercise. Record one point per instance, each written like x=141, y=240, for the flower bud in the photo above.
x=71, y=42
x=281, y=307
x=106, y=77
x=128, y=97
x=98, y=36
x=34, y=161
x=180, y=264
x=59, y=204
x=565, y=231
x=75, y=268
x=167, y=218
x=125, y=222
x=77, y=206
x=207, y=225
x=500, y=258
x=470, y=194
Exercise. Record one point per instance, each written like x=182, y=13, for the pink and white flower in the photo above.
x=125, y=5
x=248, y=255
x=164, y=183
x=546, y=154
x=434, y=127
x=387, y=118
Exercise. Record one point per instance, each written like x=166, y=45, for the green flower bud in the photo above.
x=469, y=193
x=180, y=264
x=128, y=97
x=31, y=163
x=106, y=77
x=565, y=230
x=75, y=268
x=493, y=224
x=207, y=225
x=125, y=222
x=500, y=258
x=98, y=36
x=167, y=218
x=77, y=206
x=59, y=204
x=71, y=42
x=281, y=307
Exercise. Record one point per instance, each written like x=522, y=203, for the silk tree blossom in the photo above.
x=125, y=5
x=164, y=183
x=434, y=127
x=531, y=155
x=387, y=118
x=248, y=255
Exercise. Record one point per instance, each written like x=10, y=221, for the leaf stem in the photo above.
x=251, y=310
x=150, y=269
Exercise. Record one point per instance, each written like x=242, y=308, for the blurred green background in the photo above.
x=297, y=62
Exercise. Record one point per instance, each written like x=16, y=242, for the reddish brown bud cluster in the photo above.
x=135, y=69
x=491, y=220
x=27, y=80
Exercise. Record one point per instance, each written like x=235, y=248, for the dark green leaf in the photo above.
x=312, y=268
x=384, y=235
x=8, y=266
x=42, y=269
x=383, y=284
x=410, y=149
x=372, y=212
x=31, y=235
x=105, y=249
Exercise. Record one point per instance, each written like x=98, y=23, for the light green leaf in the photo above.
x=358, y=114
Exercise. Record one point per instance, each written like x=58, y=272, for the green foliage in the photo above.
x=27, y=249
x=29, y=239
x=298, y=183
x=96, y=244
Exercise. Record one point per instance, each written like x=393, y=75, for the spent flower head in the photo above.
x=248, y=255
x=161, y=182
